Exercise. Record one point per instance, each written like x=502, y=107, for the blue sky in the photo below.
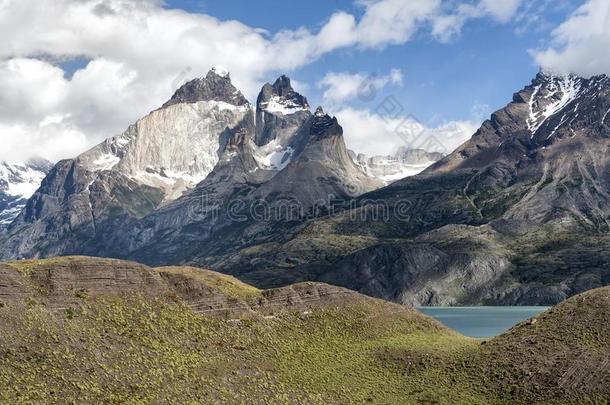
x=476, y=72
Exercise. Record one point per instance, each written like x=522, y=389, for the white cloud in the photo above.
x=393, y=21
x=346, y=86
x=502, y=10
x=447, y=26
x=580, y=44
x=373, y=134
x=139, y=52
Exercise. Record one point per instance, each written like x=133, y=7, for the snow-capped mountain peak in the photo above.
x=280, y=98
x=551, y=95
x=556, y=103
x=280, y=111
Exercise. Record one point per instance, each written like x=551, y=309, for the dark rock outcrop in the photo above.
x=214, y=86
x=280, y=111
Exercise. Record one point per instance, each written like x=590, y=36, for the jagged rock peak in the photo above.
x=556, y=83
x=214, y=86
x=283, y=86
x=40, y=164
x=220, y=71
x=320, y=112
x=324, y=125
x=280, y=97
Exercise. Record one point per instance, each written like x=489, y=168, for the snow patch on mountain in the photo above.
x=551, y=98
x=19, y=179
x=273, y=156
x=105, y=162
x=407, y=171
x=278, y=105
x=605, y=115
x=223, y=106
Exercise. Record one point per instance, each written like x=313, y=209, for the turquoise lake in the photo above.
x=481, y=322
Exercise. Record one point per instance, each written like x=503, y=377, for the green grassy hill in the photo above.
x=86, y=330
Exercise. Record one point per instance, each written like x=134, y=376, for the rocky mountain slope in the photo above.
x=242, y=202
x=18, y=182
x=78, y=329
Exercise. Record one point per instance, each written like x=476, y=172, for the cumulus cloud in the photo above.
x=376, y=134
x=343, y=86
x=580, y=44
x=393, y=21
x=138, y=52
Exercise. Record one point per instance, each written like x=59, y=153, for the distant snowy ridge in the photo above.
x=18, y=182
x=405, y=162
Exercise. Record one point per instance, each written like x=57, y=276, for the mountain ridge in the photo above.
x=512, y=217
